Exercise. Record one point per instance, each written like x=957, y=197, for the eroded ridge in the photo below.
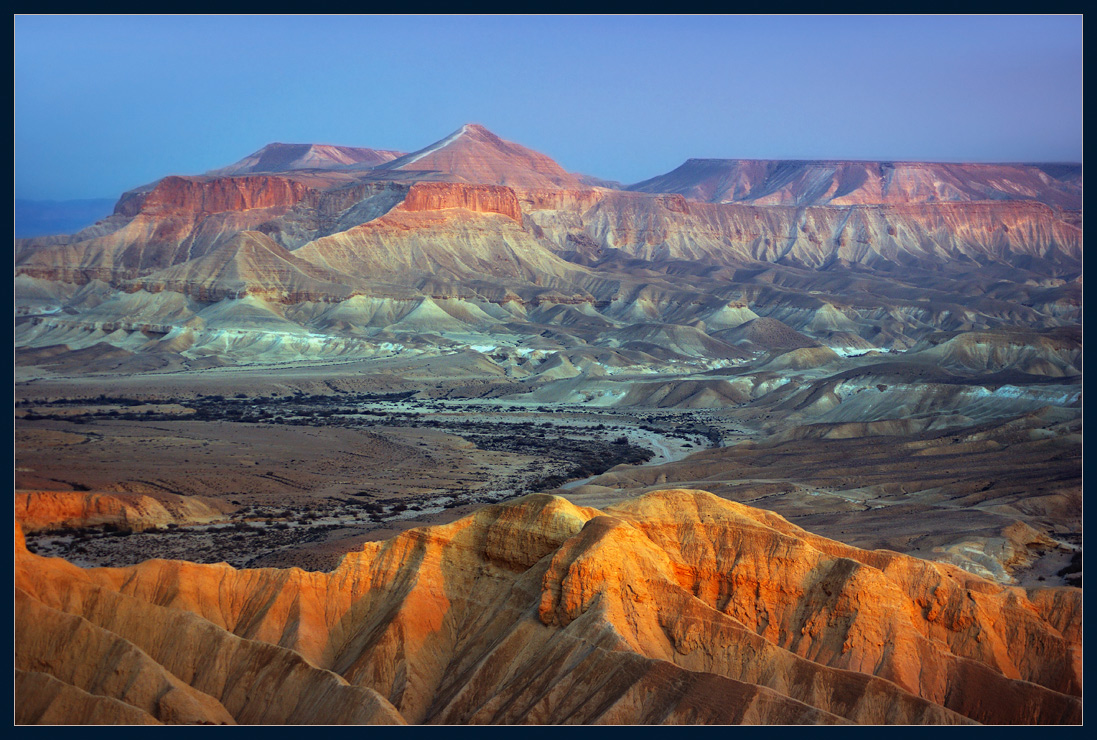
x=677, y=606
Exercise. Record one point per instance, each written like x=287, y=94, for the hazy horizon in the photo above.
x=104, y=104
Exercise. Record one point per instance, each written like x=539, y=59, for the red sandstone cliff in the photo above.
x=436, y=196
x=214, y=196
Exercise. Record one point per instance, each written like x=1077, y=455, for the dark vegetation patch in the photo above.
x=558, y=448
x=1072, y=573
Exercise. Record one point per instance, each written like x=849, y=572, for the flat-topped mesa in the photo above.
x=849, y=182
x=200, y=195
x=435, y=196
x=1010, y=232
x=278, y=157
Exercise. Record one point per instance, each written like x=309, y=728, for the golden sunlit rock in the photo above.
x=677, y=606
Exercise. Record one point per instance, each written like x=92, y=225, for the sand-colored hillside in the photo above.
x=674, y=607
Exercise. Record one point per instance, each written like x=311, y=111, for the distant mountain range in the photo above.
x=474, y=234
x=810, y=183
x=475, y=155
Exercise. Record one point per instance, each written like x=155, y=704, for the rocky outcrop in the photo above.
x=185, y=219
x=434, y=196
x=168, y=663
x=38, y=511
x=180, y=219
x=200, y=195
x=1023, y=233
x=41, y=699
x=674, y=607
x=843, y=183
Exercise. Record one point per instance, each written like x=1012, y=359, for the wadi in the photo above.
x=338, y=434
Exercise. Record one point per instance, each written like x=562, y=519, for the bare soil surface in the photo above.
x=313, y=464
x=311, y=477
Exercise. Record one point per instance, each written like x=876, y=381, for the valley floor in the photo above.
x=298, y=465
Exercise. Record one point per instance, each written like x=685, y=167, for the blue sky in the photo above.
x=104, y=103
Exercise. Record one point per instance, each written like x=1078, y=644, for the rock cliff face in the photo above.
x=675, y=607
x=880, y=215
x=184, y=219
x=250, y=263
x=836, y=183
x=436, y=196
x=180, y=219
x=196, y=195
x=133, y=512
x=663, y=228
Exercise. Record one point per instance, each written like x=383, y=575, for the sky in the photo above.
x=104, y=104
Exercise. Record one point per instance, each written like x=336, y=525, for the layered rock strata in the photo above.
x=674, y=607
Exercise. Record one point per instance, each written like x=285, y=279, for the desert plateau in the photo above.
x=351, y=435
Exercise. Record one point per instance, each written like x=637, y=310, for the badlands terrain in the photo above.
x=456, y=436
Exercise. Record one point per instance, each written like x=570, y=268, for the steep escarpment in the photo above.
x=216, y=195
x=813, y=182
x=132, y=512
x=437, y=196
x=179, y=219
x=184, y=219
x=674, y=607
x=655, y=229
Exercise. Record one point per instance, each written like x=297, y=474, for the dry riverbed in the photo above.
x=311, y=477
